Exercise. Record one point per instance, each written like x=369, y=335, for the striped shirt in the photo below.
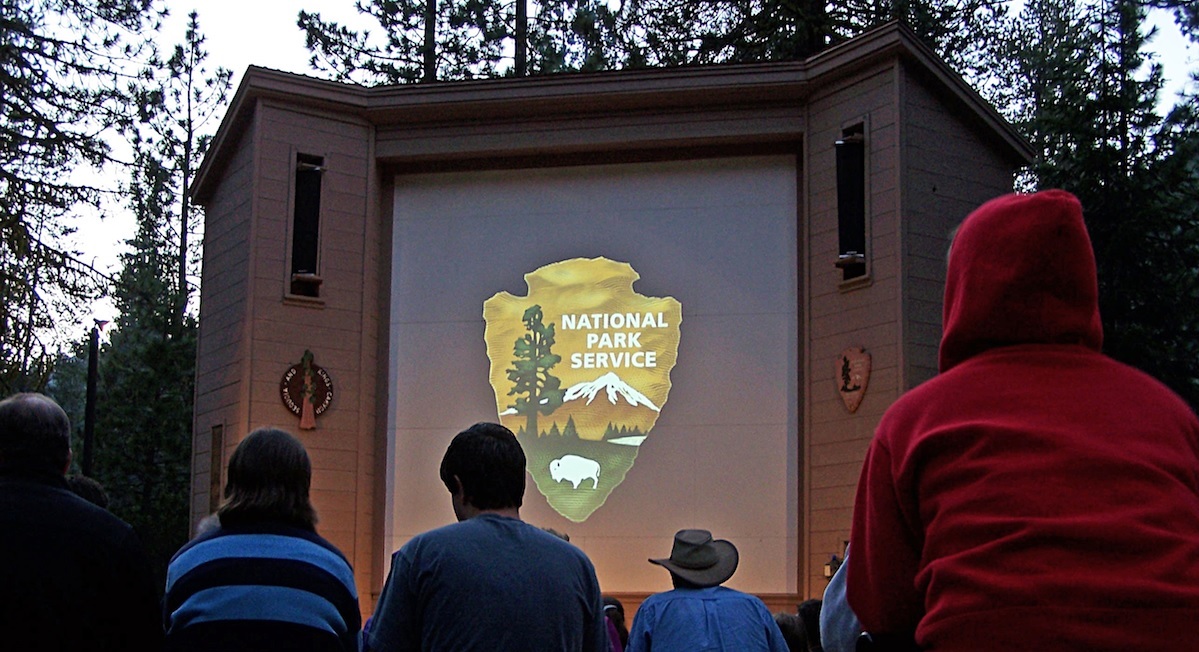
x=268, y=586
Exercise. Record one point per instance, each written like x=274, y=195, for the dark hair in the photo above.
x=614, y=610
x=490, y=463
x=35, y=433
x=88, y=489
x=793, y=631
x=269, y=480
x=809, y=614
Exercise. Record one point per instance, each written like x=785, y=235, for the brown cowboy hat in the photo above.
x=699, y=559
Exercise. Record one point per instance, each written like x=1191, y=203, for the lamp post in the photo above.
x=89, y=410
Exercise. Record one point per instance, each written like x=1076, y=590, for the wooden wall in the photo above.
x=848, y=314
x=929, y=163
x=250, y=247
x=950, y=168
x=223, y=344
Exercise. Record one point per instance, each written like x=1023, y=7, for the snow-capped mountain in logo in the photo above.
x=615, y=389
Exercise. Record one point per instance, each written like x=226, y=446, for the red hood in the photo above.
x=1021, y=271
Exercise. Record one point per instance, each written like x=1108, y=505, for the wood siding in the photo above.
x=253, y=330
x=949, y=170
x=222, y=346
x=842, y=315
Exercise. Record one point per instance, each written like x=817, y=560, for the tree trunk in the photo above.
x=430, y=44
x=522, y=38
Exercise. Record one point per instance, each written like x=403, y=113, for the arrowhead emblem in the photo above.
x=853, y=374
x=581, y=370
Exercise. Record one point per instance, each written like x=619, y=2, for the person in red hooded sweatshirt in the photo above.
x=1036, y=495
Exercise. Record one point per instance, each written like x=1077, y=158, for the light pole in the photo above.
x=89, y=410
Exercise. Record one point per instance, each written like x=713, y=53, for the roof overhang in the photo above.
x=609, y=93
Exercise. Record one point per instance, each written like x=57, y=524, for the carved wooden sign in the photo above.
x=853, y=374
x=306, y=390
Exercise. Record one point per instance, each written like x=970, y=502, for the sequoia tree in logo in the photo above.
x=530, y=372
x=581, y=370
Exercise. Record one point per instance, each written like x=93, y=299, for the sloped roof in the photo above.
x=608, y=92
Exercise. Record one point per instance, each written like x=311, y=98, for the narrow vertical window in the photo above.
x=305, y=233
x=851, y=202
x=216, y=465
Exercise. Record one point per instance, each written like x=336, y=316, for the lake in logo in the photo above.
x=581, y=371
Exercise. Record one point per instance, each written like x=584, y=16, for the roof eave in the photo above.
x=596, y=93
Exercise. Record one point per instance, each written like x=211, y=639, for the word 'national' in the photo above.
x=604, y=320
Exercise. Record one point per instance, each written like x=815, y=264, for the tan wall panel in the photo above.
x=837, y=319
x=951, y=169
x=221, y=346
x=332, y=327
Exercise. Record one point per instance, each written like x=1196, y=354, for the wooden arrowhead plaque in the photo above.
x=853, y=374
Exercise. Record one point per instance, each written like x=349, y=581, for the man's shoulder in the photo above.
x=451, y=539
x=58, y=504
x=705, y=593
x=728, y=594
x=450, y=532
x=488, y=527
x=715, y=594
x=57, y=522
x=551, y=547
x=506, y=542
x=683, y=605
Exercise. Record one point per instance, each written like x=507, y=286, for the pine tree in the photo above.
x=61, y=74
x=147, y=375
x=537, y=390
x=465, y=40
x=1089, y=109
x=572, y=35
x=185, y=106
x=469, y=38
x=143, y=431
x=571, y=431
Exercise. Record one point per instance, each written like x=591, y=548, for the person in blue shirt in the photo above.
x=839, y=626
x=490, y=581
x=699, y=614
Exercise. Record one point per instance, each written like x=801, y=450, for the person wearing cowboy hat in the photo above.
x=700, y=614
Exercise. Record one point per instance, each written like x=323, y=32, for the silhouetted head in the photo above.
x=614, y=610
x=35, y=433
x=793, y=631
x=269, y=480
x=88, y=489
x=809, y=615
x=490, y=464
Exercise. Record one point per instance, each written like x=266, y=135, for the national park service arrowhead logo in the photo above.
x=581, y=371
x=853, y=373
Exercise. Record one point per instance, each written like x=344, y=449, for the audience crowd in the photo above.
x=1035, y=495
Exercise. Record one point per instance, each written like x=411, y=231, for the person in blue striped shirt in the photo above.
x=263, y=579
